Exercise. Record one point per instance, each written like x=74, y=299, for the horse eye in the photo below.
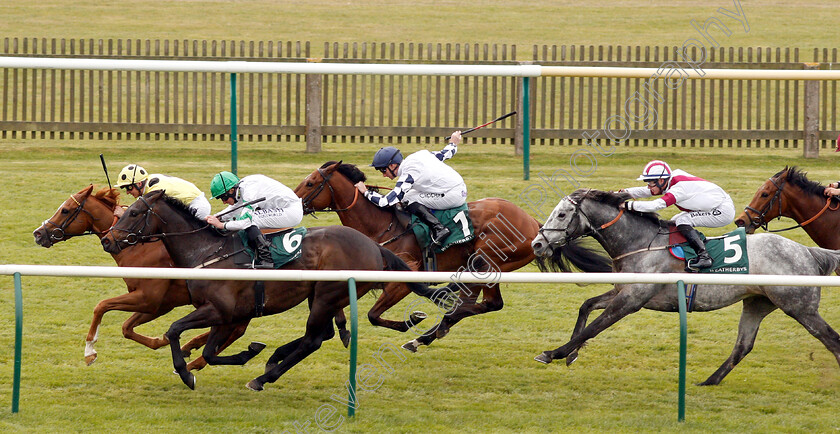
x=133, y=213
x=65, y=211
x=764, y=195
x=561, y=215
x=309, y=184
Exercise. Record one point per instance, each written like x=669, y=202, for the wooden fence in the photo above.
x=115, y=105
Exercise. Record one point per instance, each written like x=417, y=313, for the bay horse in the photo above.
x=503, y=233
x=635, y=241
x=789, y=193
x=222, y=304
x=89, y=213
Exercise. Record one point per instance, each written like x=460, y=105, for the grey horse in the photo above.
x=634, y=242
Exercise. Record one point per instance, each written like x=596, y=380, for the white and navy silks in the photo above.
x=423, y=177
x=703, y=203
x=280, y=209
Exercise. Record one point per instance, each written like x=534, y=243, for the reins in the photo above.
x=325, y=182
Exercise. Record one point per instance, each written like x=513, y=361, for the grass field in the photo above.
x=481, y=377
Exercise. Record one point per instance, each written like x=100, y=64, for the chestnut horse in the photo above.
x=503, y=235
x=221, y=304
x=790, y=193
x=88, y=213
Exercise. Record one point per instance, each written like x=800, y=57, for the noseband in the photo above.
x=134, y=236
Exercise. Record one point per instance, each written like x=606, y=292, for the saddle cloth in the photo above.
x=285, y=245
x=456, y=219
x=728, y=252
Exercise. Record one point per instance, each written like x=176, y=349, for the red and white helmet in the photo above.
x=654, y=170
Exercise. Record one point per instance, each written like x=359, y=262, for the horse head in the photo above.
x=138, y=224
x=315, y=190
x=766, y=204
x=558, y=241
x=83, y=213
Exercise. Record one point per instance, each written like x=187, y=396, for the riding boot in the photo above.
x=703, y=260
x=439, y=231
x=261, y=247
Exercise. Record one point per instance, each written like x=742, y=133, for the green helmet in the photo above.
x=222, y=182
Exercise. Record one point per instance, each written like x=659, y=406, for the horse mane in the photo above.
x=798, y=178
x=110, y=196
x=179, y=207
x=614, y=199
x=353, y=173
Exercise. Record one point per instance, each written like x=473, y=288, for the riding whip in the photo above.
x=484, y=125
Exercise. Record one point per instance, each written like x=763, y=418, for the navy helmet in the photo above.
x=386, y=156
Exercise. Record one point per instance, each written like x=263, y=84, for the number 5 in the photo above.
x=728, y=245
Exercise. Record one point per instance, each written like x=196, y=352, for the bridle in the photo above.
x=759, y=220
x=325, y=183
x=592, y=230
x=60, y=233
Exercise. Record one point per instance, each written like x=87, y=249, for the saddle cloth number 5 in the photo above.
x=729, y=244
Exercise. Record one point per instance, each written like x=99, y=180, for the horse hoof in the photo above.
x=544, y=358
x=90, y=359
x=417, y=316
x=185, y=353
x=442, y=330
x=411, y=346
x=189, y=381
x=344, y=335
x=571, y=359
x=254, y=385
x=256, y=347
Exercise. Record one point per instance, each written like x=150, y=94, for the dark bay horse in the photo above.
x=503, y=233
x=789, y=193
x=222, y=304
x=635, y=241
x=89, y=213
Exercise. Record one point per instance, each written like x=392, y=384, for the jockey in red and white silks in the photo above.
x=702, y=203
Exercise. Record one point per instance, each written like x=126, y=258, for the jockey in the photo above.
x=137, y=181
x=281, y=209
x=424, y=181
x=702, y=203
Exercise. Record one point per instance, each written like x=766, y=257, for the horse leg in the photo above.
x=754, y=311
x=239, y=330
x=598, y=302
x=630, y=299
x=130, y=302
x=222, y=334
x=341, y=325
x=204, y=316
x=318, y=327
x=195, y=343
x=812, y=321
x=391, y=295
x=466, y=302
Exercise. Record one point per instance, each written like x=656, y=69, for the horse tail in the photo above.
x=828, y=260
x=575, y=254
x=395, y=263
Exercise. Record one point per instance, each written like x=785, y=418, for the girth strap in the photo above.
x=259, y=298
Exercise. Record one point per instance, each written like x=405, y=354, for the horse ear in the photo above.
x=86, y=191
x=334, y=167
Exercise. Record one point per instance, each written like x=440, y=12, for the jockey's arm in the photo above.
x=404, y=183
x=451, y=149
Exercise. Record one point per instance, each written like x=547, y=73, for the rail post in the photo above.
x=354, y=338
x=18, y=344
x=683, y=339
